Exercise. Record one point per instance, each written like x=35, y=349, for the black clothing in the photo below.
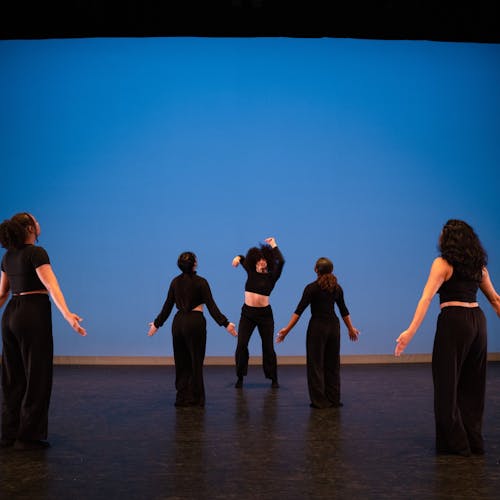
x=322, y=301
x=187, y=291
x=323, y=343
x=27, y=348
x=459, y=369
x=189, y=338
x=26, y=367
x=323, y=361
x=458, y=288
x=263, y=283
x=20, y=266
x=189, y=334
x=262, y=318
x=459, y=375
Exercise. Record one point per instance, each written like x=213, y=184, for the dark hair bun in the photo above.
x=186, y=262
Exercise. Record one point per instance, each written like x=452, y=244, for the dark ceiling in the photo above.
x=461, y=21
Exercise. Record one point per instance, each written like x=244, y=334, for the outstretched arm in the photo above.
x=489, y=291
x=440, y=271
x=48, y=278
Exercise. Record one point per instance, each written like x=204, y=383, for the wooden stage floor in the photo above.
x=116, y=434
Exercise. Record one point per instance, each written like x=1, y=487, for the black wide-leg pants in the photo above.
x=323, y=361
x=189, y=335
x=459, y=361
x=27, y=363
x=262, y=318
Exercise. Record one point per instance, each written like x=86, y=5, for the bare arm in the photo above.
x=4, y=288
x=284, y=331
x=489, y=291
x=48, y=278
x=440, y=272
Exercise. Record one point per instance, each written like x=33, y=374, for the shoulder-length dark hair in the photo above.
x=460, y=246
x=265, y=252
x=326, y=279
x=13, y=231
x=186, y=262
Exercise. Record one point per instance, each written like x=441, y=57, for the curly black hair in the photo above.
x=460, y=247
x=326, y=279
x=13, y=231
x=265, y=252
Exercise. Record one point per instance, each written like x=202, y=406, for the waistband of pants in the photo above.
x=36, y=292
x=179, y=311
x=257, y=309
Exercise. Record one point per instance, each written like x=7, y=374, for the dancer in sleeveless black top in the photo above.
x=460, y=343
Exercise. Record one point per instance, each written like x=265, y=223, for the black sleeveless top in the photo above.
x=458, y=288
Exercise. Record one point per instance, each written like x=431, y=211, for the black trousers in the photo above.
x=459, y=361
x=27, y=362
x=189, y=336
x=262, y=318
x=323, y=361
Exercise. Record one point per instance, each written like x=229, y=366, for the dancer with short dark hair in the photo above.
x=459, y=356
x=27, y=343
x=189, y=292
x=263, y=266
x=323, y=335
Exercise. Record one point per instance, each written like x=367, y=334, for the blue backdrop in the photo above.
x=130, y=151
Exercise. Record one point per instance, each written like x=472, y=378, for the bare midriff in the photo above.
x=253, y=299
x=456, y=303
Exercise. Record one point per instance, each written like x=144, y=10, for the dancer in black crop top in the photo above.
x=27, y=333
x=189, y=292
x=323, y=335
x=263, y=266
x=460, y=343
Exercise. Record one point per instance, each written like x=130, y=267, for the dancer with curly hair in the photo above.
x=460, y=344
x=189, y=292
x=27, y=343
x=323, y=334
x=263, y=266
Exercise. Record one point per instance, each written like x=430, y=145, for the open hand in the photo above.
x=152, y=329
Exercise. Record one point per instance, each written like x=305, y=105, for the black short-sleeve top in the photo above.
x=187, y=291
x=263, y=283
x=321, y=301
x=20, y=266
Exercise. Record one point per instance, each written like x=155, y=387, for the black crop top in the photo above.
x=263, y=283
x=458, y=288
x=187, y=291
x=321, y=301
x=20, y=266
